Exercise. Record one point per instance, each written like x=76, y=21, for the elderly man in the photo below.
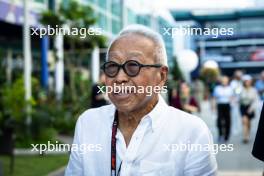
x=139, y=134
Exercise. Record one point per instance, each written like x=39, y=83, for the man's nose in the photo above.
x=121, y=77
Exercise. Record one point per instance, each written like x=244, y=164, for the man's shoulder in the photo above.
x=185, y=120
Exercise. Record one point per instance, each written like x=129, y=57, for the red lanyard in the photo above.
x=113, y=147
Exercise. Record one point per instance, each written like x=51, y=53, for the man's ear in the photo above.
x=163, y=75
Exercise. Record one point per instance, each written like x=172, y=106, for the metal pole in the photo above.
x=9, y=66
x=124, y=13
x=27, y=60
x=44, y=62
x=59, y=68
x=95, y=64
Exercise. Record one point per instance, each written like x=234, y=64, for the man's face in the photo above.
x=141, y=49
x=102, y=79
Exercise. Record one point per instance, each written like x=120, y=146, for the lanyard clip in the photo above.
x=113, y=173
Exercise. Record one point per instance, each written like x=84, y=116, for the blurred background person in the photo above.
x=184, y=100
x=237, y=83
x=223, y=94
x=173, y=97
x=98, y=98
x=248, y=105
x=237, y=86
x=260, y=86
x=198, y=90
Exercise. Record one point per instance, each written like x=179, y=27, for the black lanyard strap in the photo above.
x=113, y=146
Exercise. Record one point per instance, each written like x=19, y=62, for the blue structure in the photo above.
x=44, y=61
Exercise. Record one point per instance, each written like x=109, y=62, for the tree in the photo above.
x=74, y=15
x=209, y=76
x=175, y=70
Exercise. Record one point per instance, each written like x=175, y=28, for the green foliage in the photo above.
x=48, y=115
x=209, y=75
x=34, y=165
x=13, y=100
x=77, y=15
x=74, y=15
x=175, y=71
x=50, y=18
x=96, y=40
x=2, y=51
x=13, y=108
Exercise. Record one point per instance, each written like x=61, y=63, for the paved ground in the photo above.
x=60, y=171
x=242, y=173
x=236, y=163
x=240, y=161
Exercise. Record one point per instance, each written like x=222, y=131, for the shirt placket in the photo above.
x=133, y=147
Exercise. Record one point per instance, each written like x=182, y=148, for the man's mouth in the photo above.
x=123, y=94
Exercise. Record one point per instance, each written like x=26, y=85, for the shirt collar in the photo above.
x=154, y=114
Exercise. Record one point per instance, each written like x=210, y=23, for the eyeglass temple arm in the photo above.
x=147, y=65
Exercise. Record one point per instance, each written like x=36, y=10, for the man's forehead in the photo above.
x=129, y=53
x=133, y=46
x=131, y=41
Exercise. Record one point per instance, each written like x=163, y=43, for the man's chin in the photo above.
x=130, y=104
x=122, y=97
x=123, y=107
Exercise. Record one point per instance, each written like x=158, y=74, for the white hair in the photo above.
x=160, y=51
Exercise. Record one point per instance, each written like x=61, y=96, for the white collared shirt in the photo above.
x=159, y=145
x=223, y=94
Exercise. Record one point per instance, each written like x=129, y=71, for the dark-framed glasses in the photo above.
x=130, y=67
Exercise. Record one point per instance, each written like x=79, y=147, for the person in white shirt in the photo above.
x=223, y=94
x=237, y=86
x=139, y=134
